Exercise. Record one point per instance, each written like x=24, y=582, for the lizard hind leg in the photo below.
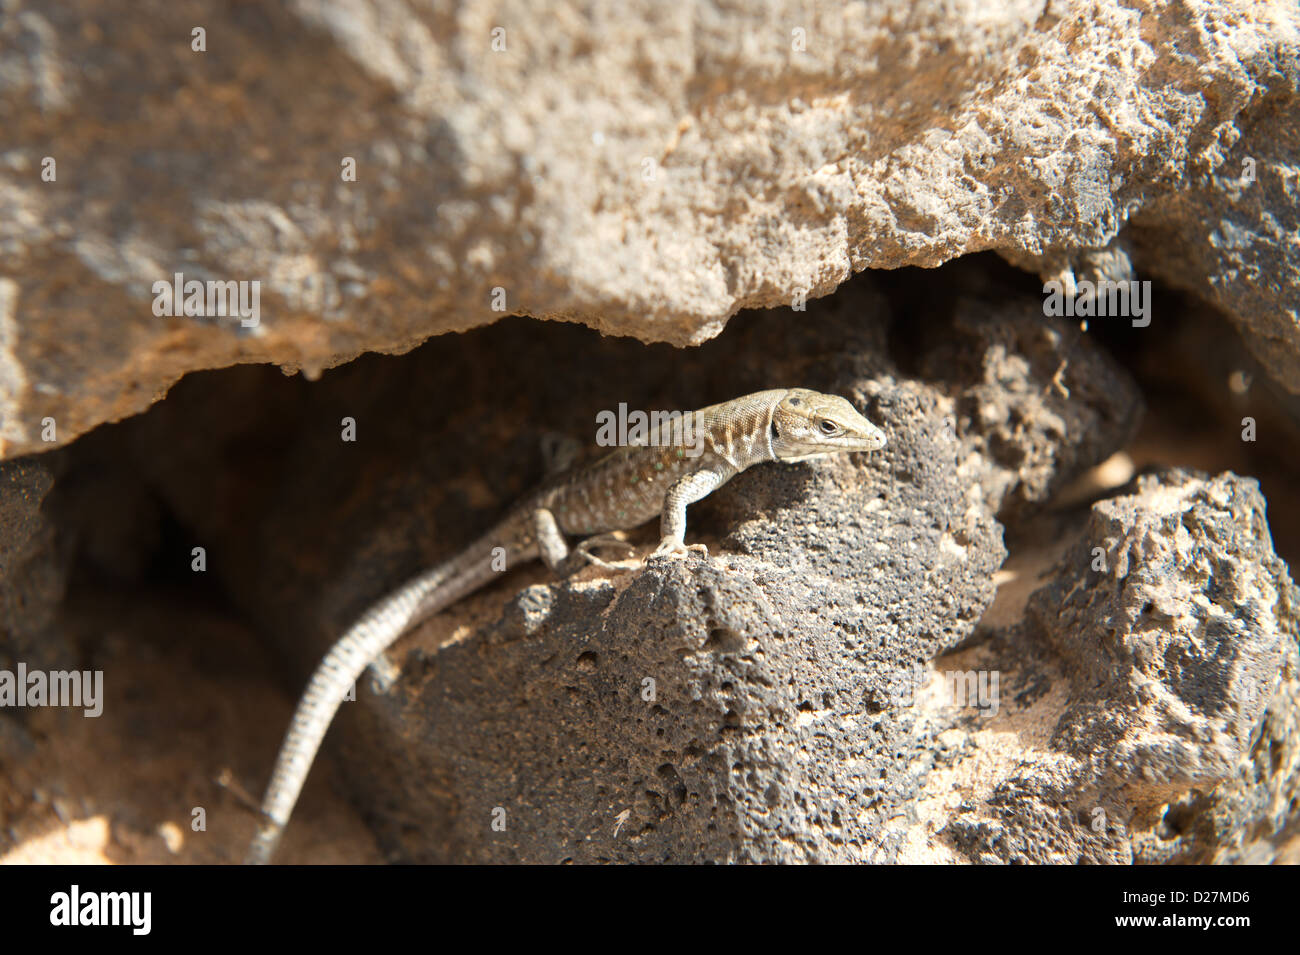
x=585, y=548
x=555, y=553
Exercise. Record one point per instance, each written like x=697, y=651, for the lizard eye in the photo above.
x=828, y=427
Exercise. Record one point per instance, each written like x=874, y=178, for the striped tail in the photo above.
x=345, y=662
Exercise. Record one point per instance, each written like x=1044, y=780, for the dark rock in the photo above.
x=1174, y=627
x=776, y=731
x=32, y=575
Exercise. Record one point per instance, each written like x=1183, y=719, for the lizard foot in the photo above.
x=678, y=549
x=582, y=555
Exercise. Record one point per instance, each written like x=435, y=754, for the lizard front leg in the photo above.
x=672, y=524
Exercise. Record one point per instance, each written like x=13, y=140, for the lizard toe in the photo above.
x=678, y=550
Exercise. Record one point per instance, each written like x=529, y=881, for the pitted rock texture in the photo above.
x=751, y=692
x=772, y=732
x=777, y=665
x=1038, y=402
x=1232, y=236
x=1169, y=626
x=775, y=703
x=645, y=169
x=32, y=579
x=1185, y=624
x=31, y=570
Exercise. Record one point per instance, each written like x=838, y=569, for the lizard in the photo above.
x=620, y=491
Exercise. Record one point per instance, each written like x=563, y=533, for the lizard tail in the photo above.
x=370, y=636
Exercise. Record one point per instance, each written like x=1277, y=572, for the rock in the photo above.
x=1039, y=403
x=802, y=679
x=751, y=690
x=32, y=574
x=1173, y=628
x=785, y=655
x=756, y=694
x=644, y=170
x=32, y=582
x=1184, y=623
x=1230, y=236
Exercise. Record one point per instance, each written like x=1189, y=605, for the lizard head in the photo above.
x=808, y=424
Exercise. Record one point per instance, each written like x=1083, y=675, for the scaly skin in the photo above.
x=620, y=491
